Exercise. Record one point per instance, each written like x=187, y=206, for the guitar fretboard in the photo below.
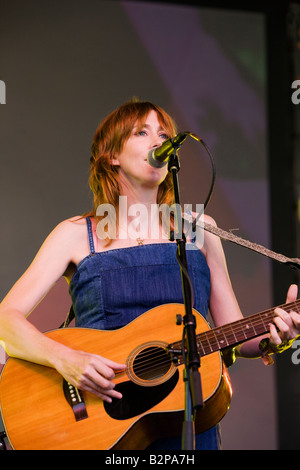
x=237, y=332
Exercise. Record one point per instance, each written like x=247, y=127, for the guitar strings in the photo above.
x=209, y=341
x=151, y=362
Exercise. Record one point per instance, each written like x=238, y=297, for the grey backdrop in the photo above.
x=66, y=64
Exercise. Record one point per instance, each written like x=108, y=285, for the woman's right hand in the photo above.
x=90, y=372
x=23, y=340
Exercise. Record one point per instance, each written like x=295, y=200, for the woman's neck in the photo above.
x=139, y=215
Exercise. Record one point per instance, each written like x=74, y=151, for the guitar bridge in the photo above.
x=175, y=356
x=75, y=400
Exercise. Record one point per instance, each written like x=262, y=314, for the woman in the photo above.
x=89, y=251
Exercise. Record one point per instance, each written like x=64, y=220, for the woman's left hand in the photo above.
x=286, y=326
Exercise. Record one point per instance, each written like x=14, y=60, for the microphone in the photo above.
x=159, y=157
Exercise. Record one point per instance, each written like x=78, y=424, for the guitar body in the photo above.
x=36, y=414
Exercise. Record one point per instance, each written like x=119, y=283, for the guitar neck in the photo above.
x=232, y=334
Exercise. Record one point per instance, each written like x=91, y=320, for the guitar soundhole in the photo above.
x=137, y=399
x=151, y=364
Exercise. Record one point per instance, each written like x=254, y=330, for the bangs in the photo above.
x=164, y=120
x=135, y=114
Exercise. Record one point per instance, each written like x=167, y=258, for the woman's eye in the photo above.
x=163, y=136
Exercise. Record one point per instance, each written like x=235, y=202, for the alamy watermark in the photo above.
x=2, y=355
x=2, y=92
x=296, y=354
x=148, y=222
x=296, y=94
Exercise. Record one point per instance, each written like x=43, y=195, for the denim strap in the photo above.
x=90, y=235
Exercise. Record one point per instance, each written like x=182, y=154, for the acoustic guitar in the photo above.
x=41, y=411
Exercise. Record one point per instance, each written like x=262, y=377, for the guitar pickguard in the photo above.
x=137, y=399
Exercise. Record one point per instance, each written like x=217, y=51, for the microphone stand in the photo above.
x=193, y=389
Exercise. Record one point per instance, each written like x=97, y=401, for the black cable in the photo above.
x=212, y=184
x=213, y=179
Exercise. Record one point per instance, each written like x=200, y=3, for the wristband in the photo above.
x=266, y=348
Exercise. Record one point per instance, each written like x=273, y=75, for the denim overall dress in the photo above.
x=109, y=289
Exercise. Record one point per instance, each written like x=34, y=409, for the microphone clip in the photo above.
x=177, y=141
x=173, y=162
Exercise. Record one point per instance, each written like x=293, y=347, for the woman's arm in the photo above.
x=21, y=339
x=224, y=306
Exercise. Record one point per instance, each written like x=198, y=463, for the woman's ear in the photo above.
x=115, y=162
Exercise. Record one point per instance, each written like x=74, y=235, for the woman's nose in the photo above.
x=157, y=142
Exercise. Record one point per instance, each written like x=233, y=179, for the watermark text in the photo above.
x=154, y=222
x=2, y=92
x=296, y=354
x=296, y=94
x=2, y=355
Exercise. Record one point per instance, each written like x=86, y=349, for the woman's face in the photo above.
x=132, y=160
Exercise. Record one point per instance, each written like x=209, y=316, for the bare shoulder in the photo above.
x=212, y=243
x=73, y=223
x=205, y=240
x=69, y=229
x=207, y=219
x=71, y=236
